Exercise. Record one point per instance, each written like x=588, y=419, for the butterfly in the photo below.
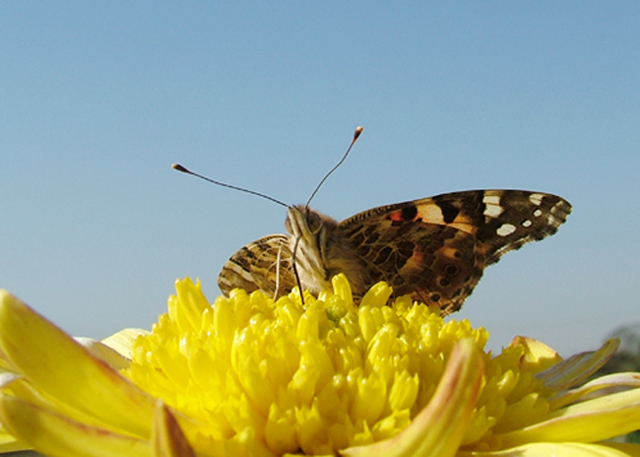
x=434, y=249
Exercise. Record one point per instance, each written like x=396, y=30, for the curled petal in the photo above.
x=439, y=428
x=538, y=356
x=589, y=421
x=597, y=387
x=579, y=367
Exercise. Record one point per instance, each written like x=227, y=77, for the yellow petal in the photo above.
x=589, y=421
x=56, y=364
x=630, y=449
x=619, y=381
x=342, y=289
x=439, y=428
x=103, y=352
x=18, y=386
x=377, y=295
x=9, y=443
x=168, y=439
x=122, y=341
x=538, y=356
x=56, y=435
x=562, y=450
x=577, y=368
x=187, y=307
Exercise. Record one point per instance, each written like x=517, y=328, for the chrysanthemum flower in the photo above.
x=248, y=376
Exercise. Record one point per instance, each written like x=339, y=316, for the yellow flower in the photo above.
x=248, y=376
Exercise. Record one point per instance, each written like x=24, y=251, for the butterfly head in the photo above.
x=303, y=222
x=310, y=231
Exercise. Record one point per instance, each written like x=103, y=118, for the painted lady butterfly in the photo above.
x=434, y=249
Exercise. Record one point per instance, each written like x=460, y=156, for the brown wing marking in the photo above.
x=443, y=270
x=436, y=249
x=460, y=210
x=435, y=264
x=255, y=267
x=526, y=217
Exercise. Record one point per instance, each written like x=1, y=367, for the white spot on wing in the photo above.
x=493, y=208
x=554, y=221
x=491, y=199
x=537, y=213
x=526, y=223
x=536, y=199
x=506, y=229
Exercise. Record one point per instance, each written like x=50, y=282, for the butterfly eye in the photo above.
x=314, y=222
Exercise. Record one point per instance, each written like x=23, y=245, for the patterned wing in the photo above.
x=436, y=248
x=263, y=265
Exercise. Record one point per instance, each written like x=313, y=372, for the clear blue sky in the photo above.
x=99, y=98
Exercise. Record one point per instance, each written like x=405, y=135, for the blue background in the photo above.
x=99, y=98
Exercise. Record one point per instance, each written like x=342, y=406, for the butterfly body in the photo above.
x=434, y=249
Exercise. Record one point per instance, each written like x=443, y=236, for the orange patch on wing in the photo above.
x=397, y=216
x=448, y=251
x=415, y=262
x=462, y=222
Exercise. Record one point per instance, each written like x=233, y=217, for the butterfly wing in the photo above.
x=263, y=265
x=436, y=248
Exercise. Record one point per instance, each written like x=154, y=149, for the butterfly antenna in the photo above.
x=344, y=157
x=177, y=166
